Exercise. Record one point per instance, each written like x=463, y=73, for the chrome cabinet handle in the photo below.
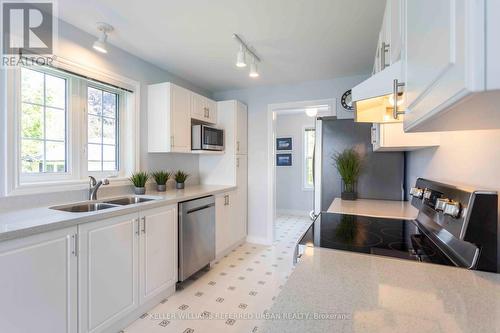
x=74, y=239
x=143, y=224
x=137, y=231
x=383, y=50
x=395, y=93
x=237, y=162
x=237, y=146
x=374, y=135
x=228, y=200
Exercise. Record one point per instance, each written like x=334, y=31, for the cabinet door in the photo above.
x=395, y=30
x=241, y=195
x=241, y=129
x=437, y=49
x=38, y=276
x=158, y=251
x=181, y=123
x=211, y=111
x=198, y=111
x=108, y=271
x=222, y=230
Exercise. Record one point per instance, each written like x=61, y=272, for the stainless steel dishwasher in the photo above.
x=196, y=235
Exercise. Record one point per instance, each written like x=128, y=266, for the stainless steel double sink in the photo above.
x=92, y=206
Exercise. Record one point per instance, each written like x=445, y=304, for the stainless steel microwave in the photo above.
x=205, y=137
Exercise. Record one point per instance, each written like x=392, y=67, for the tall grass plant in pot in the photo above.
x=139, y=179
x=349, y=165
x=180, y=178
x=161, y=178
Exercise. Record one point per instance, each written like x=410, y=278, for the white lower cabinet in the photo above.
x=124, y=263
x=158, y=252
x=38, y=279
x=229, y=228
x=108, y=272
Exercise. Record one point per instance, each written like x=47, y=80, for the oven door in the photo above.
x=213, y=138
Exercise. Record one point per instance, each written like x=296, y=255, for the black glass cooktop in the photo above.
x=372, y=235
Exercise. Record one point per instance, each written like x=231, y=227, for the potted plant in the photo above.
x=161, y=178
x=348, y=164
x=180, y=178
x=139, y=179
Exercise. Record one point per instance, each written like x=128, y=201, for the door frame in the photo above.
x=272, y=111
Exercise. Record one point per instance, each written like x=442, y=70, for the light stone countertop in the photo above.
x=378, y=294
x=26, y=222
x=377, y=208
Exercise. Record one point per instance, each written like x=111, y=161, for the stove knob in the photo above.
x=452, y=209
x=427, y=193
x=416, y=192
x=441, y=204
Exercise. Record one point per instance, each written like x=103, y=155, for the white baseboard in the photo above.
x=292, y=212
x=219, y=256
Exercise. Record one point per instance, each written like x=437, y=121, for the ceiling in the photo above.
x=297, y=40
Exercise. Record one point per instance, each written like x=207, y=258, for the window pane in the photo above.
x=109, y=153
x=55, y=121
x=94, y=129
x=32, y=86
x=109, y=131
x=109, y=166
x=32, y=121
x=109, y=105
x=309, y=137
x=94, y=152
x=94, y=101
x=31, y=156
x=55, y=156
x=94, y=166
x=55, y=92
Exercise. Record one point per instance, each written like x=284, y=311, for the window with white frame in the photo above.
x=308, y=159
x=69, y=127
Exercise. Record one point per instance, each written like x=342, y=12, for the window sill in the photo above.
x=62, y=186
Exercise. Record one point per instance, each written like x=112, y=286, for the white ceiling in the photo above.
x=298, y=40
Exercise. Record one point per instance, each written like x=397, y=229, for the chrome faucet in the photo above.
x=94, y=186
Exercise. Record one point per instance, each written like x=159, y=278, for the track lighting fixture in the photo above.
x=101, y=43
x=241, y=57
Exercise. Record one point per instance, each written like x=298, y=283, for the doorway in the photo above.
x=294, y=191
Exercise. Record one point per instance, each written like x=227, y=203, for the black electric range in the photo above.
x=454, y=226
x=372, y=235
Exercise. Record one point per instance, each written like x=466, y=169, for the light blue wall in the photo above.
x=257, y=99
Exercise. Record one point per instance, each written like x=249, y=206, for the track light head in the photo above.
x=253, y=70
x=241, y=58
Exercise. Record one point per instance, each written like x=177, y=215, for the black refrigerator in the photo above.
x=383, y=172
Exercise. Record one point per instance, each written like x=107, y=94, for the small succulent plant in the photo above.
x=139, y=179
x=161, y=177
x=181, y=176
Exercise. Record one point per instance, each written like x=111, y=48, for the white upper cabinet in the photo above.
x=169, y=123
x=448, y=68
x=389, y=41
x=391, y=137
x=170, y=111
x=38, y=279
x=203, y=109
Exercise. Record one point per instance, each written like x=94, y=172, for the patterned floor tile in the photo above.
x=229, y=296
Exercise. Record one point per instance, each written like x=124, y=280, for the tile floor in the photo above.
x=230, y=296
